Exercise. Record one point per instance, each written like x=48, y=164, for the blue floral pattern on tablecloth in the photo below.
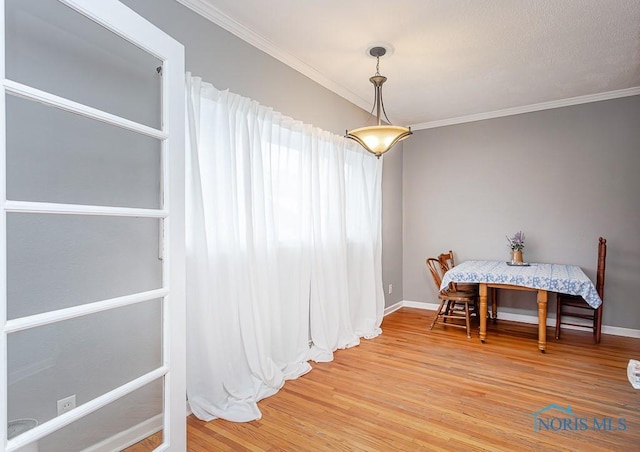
x=569, y=279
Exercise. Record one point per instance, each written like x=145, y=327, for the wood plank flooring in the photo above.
x=412, y=389
x=146, y=445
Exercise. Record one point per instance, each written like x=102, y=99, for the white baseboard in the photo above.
x=419, y=305
x=524, y=318
x=617, y=331
x=393, y=308
x=129, y=437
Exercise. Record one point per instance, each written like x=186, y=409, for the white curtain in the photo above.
x=283, y=250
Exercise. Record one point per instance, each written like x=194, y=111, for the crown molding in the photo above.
x=530, y=108
x=210, y=12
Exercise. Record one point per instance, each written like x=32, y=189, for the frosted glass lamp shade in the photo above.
x=378, y=139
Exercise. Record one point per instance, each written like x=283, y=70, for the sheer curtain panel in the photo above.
x=283, y=250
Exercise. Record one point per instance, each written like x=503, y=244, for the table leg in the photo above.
x=542, y=320
x=483, y=312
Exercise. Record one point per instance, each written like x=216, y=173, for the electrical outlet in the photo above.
x=66, y=404
x=390, y=288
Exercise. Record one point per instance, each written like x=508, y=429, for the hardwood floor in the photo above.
x=412, y=389
x=146, y=445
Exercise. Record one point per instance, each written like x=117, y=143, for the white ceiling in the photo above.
x=453, y=60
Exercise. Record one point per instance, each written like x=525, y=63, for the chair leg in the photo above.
x=558, y=317
x=448, y=310
x=438, y=312
x=468, y=319
x=598, y=322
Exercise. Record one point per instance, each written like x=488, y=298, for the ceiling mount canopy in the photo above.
x=380, y=138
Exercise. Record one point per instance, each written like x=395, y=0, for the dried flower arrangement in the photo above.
x=516, y=243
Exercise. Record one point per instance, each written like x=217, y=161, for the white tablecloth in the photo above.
x=569, y=279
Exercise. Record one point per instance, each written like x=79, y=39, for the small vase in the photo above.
x=516, y=257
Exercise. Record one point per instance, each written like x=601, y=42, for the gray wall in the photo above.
x=392, y=224
x=563, y=176
x=230, y=63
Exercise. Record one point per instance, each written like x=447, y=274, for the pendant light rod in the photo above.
x=377, y=81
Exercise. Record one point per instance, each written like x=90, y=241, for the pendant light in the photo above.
x=380, y=138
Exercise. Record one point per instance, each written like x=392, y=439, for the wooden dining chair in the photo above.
x=454, y=304
x=574, y=306
x=447, y=262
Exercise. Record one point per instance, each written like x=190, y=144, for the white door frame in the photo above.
x=116, y=17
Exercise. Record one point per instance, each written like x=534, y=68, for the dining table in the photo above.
x=541, y=278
